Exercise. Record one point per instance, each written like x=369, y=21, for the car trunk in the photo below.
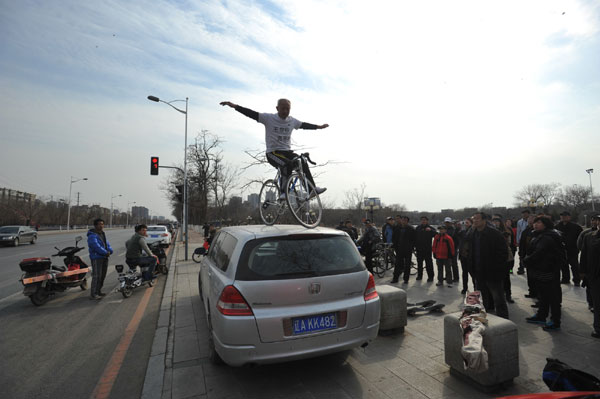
x=297, y=308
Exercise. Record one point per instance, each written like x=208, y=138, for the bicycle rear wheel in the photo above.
x=379, y=265
x=305, y=207
x=269, y=205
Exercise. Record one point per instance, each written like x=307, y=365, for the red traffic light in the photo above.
x=154, y=165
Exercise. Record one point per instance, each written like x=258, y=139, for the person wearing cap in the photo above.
x=488, y=259
x=590, y=272
x=387, y=230
x=570, y=232
x=351, y=230
x=404, y=242
x=595, y=222
x=424, y=233
x=443, y=251
x=367, y=243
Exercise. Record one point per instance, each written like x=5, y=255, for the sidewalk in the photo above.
x=407, y=365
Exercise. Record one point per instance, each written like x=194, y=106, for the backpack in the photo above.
x=559, y=376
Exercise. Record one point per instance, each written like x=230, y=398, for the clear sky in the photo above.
x=431, y=104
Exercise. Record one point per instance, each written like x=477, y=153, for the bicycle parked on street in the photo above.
x=385, y=259
x=300, y=197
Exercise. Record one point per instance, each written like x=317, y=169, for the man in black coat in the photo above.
x=590, y=269
x=488, y=258
x=403, y=238
x=570, y=232
x=424, y=233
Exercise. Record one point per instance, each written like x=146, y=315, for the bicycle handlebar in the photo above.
x=307, y=156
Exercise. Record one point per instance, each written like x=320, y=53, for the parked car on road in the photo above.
x=278, y=293
x=159, y=234
x=14, y=235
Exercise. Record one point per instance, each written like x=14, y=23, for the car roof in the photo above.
x=261, y=231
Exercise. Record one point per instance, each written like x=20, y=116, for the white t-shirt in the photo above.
x=278, y=132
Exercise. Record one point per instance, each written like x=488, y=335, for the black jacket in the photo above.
x=545, y=255
x=403, y=239
x=493, y=253
x=423, y=238
x=570, y=232
x=590, y=256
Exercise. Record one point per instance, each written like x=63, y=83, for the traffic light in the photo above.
x=179, y=194
x=154, y=166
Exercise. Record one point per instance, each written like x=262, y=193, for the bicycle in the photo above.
x=384, y=259
x=300, y=197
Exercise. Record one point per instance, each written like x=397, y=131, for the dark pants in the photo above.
x=571, y=260
x=455, y=268
x=281, y=160
x=531, y=284
x=444, y=266
x=507, y=284
x=99, y=267
x=464, y=264
x=550, y=297
x=369, y=260
x=424, y=256
x=492, y=292
x=148, y=262
x=594, y=284
x=403, y=265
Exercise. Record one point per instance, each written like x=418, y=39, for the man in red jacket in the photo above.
x=443, y=252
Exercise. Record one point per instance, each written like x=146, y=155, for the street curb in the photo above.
x=162, y=345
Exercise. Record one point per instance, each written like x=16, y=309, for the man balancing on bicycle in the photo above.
x=278, y=132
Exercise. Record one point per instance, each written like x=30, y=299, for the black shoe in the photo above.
x=95, y=297
x=565, y=282
x=520, y=271
x=535, y=305
x=510, y=300
x=535, y=320
x=429, y=280
x=420, y=278
x=405, y=282
x=551, y=326
x=463, y=292
x=394, y=281
x=439, y=283
x=529, y=296
x=102, y=294
x=595, y=334
x=576, y=283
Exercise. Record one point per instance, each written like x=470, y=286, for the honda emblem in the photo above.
x=314, y=288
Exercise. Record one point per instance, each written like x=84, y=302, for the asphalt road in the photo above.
x=62, y=348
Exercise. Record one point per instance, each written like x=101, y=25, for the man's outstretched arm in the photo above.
x=248, y=112
x=310, y=126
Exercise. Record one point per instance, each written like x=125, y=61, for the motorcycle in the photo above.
x=130, y=279
x=42, y=279
x=161, y=266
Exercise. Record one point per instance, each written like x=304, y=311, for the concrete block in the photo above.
x=393, y=308
x=501, y=342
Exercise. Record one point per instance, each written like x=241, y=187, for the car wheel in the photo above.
x=16, y=242
x=33, y=240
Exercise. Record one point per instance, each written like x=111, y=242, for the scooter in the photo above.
x=130, y=280
x=42, y=279
x=161, y=266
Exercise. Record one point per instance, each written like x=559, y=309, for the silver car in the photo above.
x=278, y=293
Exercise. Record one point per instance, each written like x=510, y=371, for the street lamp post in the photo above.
x=69, y=208
x=127, y=219
x=185, y=182
x=589, y=172
x=111, y=206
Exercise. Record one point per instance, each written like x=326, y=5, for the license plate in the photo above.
x=154, y=235
x=308, y=324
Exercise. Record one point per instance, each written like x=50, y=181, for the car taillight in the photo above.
x=371, y=291
x=164, y=235
x=232, y=303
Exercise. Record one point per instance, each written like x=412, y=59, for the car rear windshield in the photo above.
x=9, y=230
x=298, y=256
x=157, y=228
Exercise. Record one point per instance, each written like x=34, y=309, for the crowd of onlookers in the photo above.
x=486, y=246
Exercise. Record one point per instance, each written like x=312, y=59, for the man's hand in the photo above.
x=229, y=103
x=320, y=127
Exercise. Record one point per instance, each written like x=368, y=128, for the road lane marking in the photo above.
x=104, y=386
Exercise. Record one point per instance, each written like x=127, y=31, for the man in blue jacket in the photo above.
x=100, y=250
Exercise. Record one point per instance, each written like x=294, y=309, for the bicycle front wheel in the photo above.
x=379, y=267
x=269, y=205
x=303, y=200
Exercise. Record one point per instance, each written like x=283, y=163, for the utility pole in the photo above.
x=78, y=198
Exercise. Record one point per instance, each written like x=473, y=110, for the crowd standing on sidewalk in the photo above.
x=486, y=247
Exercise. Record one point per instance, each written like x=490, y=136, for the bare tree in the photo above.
x=574, y=198
x=537, y=193
x=354, y=201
